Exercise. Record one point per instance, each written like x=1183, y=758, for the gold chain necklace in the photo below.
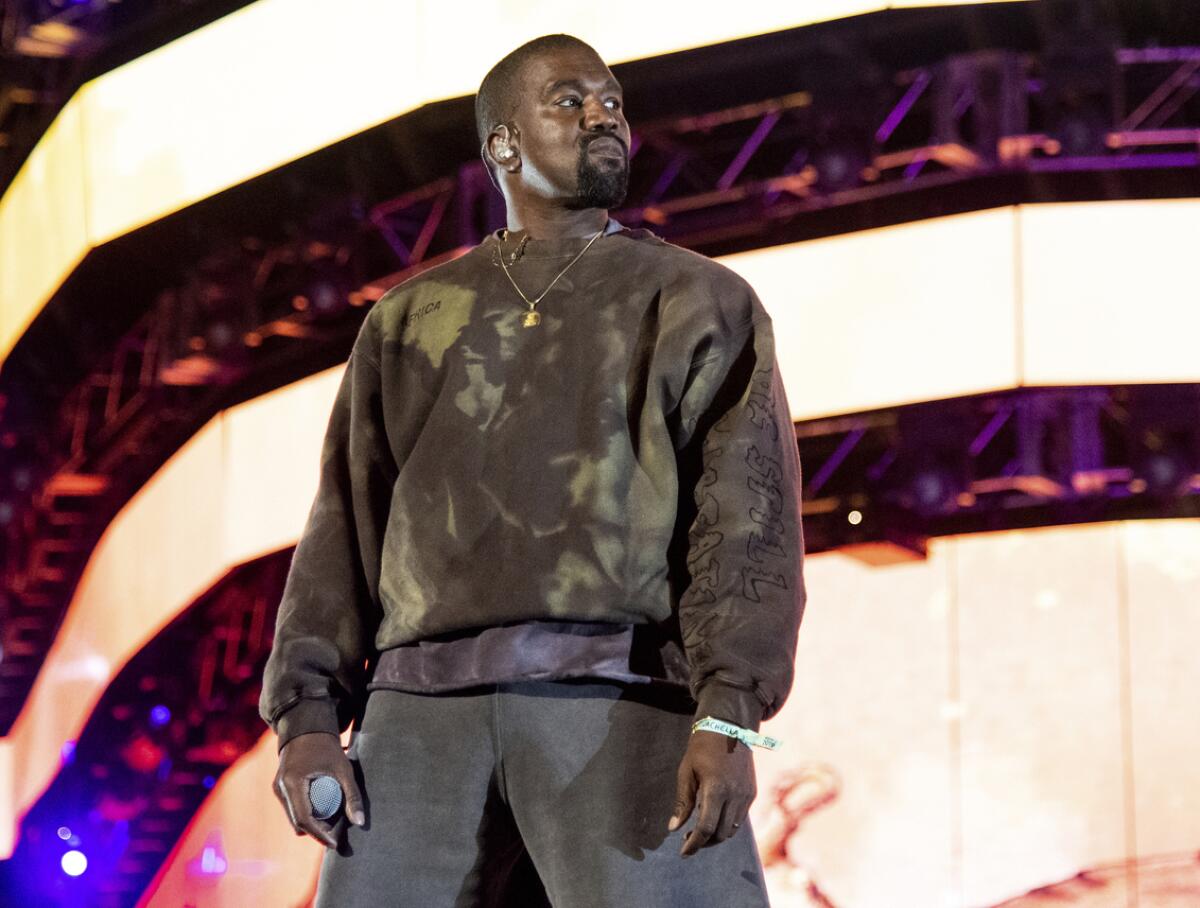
x=533, y=317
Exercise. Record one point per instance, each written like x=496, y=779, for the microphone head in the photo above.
x=325, y=795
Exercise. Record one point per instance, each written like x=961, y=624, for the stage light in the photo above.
x=326, y=297
x=67, y=752
x=220, y=336
x=845, y=83
x=327, y=290
x=854, y=518
x=1082, y=132
x=932, y=487
x=22, y=478
x=208, y=782
x=840, y=166
x=142, y=754
x=160, y=716
x=1081, y=75
x=74, y=862
x=64, y=833
x=1163, y=472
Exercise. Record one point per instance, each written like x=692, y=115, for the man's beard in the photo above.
x=599, y=188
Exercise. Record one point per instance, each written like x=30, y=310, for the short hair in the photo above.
x=496, y=100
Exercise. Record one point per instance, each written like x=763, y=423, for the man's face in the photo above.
x=574, y=141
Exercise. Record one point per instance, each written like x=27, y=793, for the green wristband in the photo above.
x=745, y=735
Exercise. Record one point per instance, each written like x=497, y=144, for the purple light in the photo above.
x=208, y=782
x=67, y=753
x=160, y=716
x=74, y=863
x=212, y=861
x=903, y=107
x=64, y=833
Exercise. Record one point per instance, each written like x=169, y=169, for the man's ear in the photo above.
x=503, y=148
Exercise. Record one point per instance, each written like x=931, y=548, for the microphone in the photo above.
x=325, y=795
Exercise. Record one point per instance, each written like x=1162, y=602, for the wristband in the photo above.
x=745, y=735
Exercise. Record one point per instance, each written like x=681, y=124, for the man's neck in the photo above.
x=558, y=223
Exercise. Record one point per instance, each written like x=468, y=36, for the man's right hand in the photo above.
x=302, y=759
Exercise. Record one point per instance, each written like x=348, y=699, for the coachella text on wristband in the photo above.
x=745, y=735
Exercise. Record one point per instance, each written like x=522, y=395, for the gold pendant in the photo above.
x=532, y=317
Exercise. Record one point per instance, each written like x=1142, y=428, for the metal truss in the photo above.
x=987, y=113
x=48, y=48
x=107, y=439
x=256, y=311
x=181, y=712
x=888, y=481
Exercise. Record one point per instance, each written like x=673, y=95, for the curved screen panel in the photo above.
x=1056, y=294
x=279, y=79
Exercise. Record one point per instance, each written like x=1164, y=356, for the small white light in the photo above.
x=74, y=863
x=855, y=518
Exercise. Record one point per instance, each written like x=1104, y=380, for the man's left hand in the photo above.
x=716, y=777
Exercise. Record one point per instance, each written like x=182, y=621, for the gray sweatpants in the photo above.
x=472, y=797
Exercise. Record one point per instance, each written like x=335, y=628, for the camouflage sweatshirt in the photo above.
x=629, y=459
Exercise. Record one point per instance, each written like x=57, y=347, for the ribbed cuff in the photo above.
x=732, y=704
x=306, y=716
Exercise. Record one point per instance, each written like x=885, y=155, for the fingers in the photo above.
x=318, y=829
x=708, y=816
x=353, y=807
x=717, y=812
x=733, y=817
x=280, y=790
x=685, y=797
x=293, y=791
x=303, y=759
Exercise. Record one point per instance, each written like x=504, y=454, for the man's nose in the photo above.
x=598, y=116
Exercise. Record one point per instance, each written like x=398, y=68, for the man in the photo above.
x=557, y=523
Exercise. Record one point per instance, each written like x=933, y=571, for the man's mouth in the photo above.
x=607, y=146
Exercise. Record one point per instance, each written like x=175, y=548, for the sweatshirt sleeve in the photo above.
x=740, y=612
x=329, y=612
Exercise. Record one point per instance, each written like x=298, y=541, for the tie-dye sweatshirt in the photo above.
x=629, y=460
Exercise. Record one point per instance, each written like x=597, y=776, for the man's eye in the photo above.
x=567, y=101
x=613, y=103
